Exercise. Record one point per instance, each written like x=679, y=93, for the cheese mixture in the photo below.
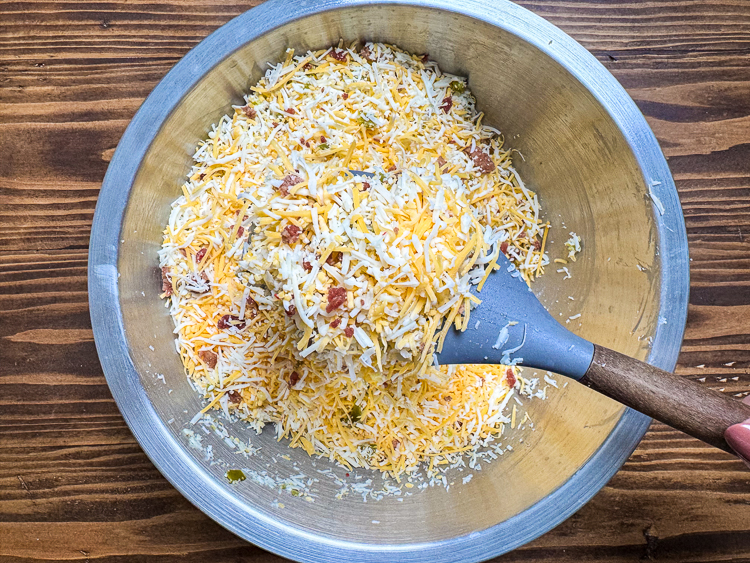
x=326, y=241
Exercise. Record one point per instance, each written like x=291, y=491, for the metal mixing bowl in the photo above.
x=598, y=169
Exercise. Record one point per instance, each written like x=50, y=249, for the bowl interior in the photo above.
x=569, y=150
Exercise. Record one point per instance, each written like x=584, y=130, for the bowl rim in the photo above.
x=172, y=459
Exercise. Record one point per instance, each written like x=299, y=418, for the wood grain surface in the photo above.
x=74, y=485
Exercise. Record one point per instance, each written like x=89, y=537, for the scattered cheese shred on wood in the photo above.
x=310, y=296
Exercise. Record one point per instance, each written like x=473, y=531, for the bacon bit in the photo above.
x=290, y=234
x=424, y=58
x=395, y=230
x=291, y=311
x=251, y=308
x=510, y=377
x=395, y=443
x=183, y=252
x=308, y=66
x=336, y=322
x=240, y=231
x=166, y=283
x=209, y=358
x=305, y=143
x=293, y=379
x=448, y=398
x=334, y=258
x=481, y=160
x=336, y=298
x=345, y=96
x=203, y=175
x=537, y=245
x=367, y=54
x=274, y=124
x=200, y=255
x=447, y=104
x=504, y=247
x=229, y=321
x=249, y=111
x=349, y=331
x=365, y=186
x=323, y=139
x=291, y=111
x=338, y=55
x=234, y=397
x=290, y=180
x=441, y=161
x=307, y=266
x=392, y=168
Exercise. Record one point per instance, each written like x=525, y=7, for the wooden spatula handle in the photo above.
x=674, y=400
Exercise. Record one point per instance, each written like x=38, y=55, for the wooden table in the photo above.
x=74, y=484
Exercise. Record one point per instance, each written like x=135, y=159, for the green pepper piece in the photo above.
x=458, y=87
x=235, y=475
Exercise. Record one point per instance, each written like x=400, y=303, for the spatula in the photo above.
x=515, y=327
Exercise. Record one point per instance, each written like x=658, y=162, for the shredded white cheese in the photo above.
x=573, y=245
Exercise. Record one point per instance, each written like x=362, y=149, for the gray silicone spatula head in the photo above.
x=511, y=326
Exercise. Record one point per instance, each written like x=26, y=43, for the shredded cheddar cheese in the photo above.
x=308, y=294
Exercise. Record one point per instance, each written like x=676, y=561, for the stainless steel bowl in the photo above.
x=598, y=169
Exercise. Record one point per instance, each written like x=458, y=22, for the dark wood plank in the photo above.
x=74, y=485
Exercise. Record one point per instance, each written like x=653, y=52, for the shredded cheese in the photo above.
x=325, y=293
